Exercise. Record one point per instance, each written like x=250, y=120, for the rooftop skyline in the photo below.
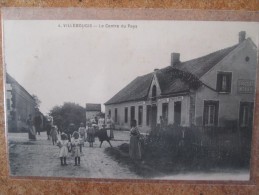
x=90, y=65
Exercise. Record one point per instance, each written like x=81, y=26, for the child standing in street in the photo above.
x=81, y=132
x=91, y=134
x=54, y=134
x=76, y=148
x=63, y=144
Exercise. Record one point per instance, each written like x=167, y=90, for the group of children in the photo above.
x=73, y=143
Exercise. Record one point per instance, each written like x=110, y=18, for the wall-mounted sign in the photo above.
x=245, y=86
x=178, y=98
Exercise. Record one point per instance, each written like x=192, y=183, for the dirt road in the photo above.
x=40, y=158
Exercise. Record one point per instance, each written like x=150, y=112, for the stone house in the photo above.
x=18, y=105
x=215, y=90
x=92, y=110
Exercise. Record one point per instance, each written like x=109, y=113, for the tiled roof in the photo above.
x=137, y=90
x=201, y=65
x=169, y=82
x=93, y=107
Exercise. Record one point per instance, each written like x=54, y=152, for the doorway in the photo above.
x=177, y=112
x=153, y=117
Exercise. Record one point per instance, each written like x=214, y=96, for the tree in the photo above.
x=66, y=114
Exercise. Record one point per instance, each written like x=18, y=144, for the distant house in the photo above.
x=92, y=110
x=19, y=104
x=216, y=90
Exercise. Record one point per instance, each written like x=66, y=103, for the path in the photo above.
x=40, y=158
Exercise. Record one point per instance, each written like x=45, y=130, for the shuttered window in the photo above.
x=116, y=115
x=246, y=114
x=224, y=82
x=210, y=114
x=126, y=115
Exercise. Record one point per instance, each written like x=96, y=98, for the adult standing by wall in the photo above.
x=31, y=129
x=135, y=145
x=110, y=126
x=37, y=121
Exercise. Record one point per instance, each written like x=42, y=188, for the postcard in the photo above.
x=130, y=99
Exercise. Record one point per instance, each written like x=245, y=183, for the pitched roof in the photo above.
x=11, y=80
x=136, y=90
x=170, y=84
x=93, y=107
x=169, y=79
x=202, y=65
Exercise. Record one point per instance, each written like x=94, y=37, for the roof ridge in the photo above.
x=16, y=82
x=214, y=52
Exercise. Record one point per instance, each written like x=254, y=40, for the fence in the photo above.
x=213, y=144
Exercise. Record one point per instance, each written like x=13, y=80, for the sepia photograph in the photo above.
x=130, y=99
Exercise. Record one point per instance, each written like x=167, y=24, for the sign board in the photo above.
x=245, y=86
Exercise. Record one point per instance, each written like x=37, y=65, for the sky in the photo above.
x=60, y=62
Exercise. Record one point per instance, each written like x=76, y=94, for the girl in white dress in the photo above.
x=76, y=148
x=63, y=144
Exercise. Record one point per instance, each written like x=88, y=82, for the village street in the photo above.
x=40, y=158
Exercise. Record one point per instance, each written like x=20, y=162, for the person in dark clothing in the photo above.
x=103, y=136
x=48, y=129
x=31, y=129
x=37, y=123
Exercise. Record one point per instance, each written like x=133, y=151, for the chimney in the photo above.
x=242, y=36
x=175, y=58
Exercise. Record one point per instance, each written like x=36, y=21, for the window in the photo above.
x=153, y=93
x=246, y=114
x=126, y=115
x=140, y=115
x=244, y=119
x=224, y=82
x=148, y=115
x=110, y=113
x=132, y=113
x=116, y=115
x=210, y=114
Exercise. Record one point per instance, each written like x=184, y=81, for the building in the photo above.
x=19, y=104
x=216, y=90
x=92, y=110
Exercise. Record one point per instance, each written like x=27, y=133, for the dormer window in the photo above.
x=153, y=93
x=224, y=82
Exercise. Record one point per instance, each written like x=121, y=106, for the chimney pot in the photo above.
x=175, y=58
x=242, y=36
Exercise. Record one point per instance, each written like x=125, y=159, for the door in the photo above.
x=132, y=113
x=177, y=112
x=153, y=117
x=165, y=113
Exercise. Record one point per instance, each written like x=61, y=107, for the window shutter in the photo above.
x=219, y=82
x=229, y=78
